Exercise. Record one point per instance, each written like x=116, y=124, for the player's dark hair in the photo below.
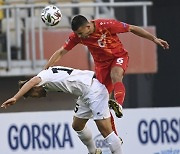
x=21, y=83
x=78, y=21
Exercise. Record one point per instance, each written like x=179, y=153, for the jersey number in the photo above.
x=55, y=70
x=76, y=108
x=102, y=41
x=120, y=61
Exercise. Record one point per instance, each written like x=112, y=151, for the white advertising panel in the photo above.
x=144, y=131
x=148, y=131
x=39, y=133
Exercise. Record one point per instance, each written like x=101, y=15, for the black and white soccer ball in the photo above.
x=51, y=15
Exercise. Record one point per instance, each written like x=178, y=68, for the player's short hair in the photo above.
x=21, y=83
x=78, y=21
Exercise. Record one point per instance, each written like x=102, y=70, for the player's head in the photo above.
x=37, y=91
x=81, y=26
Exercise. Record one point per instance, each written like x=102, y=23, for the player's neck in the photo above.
x=93, y=27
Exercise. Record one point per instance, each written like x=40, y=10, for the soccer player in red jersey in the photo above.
x=110, y=57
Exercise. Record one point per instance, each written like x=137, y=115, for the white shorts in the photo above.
x=94, y=104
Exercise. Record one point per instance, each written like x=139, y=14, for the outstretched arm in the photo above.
x=145, y=34
x=55, y=57
x=25, y=88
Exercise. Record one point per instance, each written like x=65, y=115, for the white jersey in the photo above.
x=66, y=79
x=93, y=96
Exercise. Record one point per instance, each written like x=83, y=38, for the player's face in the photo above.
x=84, y=31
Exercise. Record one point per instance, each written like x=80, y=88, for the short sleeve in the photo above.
x=44, y=77
x=115, y=26
x=71, y=42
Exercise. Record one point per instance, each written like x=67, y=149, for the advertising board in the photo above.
x=144, y=131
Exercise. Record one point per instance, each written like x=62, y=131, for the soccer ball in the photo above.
x=51, y=15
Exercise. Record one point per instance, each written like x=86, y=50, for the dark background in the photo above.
x=166, y=17
x=163, y=88
x=143, y=90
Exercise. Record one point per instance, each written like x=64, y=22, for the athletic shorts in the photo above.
x=94, y=104
x=103, y=71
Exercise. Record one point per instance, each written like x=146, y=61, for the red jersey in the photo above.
x=104, y=44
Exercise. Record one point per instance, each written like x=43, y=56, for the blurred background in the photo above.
x=26, y=43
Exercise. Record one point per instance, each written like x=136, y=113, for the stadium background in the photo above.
x=143, y=90
x=147, y=90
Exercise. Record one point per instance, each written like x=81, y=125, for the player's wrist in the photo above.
x=154, y=39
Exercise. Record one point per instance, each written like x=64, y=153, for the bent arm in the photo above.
x=145, y=34
x=25, y=88
x=55, y=57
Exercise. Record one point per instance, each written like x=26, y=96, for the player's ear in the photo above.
x=88, y=26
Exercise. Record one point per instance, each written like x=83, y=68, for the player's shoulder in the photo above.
x=104, y=22
x=61, y=67
x=72, y=35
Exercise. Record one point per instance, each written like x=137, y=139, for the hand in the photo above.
x=9, y=102
x=162, y=43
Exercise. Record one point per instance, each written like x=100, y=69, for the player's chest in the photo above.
x=98, y=39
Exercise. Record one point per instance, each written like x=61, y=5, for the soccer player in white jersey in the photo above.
x=92, y=101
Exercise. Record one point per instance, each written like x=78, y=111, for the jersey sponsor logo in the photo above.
x=37, y=136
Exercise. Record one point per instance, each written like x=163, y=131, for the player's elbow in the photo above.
x=62, y=51
x=132, y=28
